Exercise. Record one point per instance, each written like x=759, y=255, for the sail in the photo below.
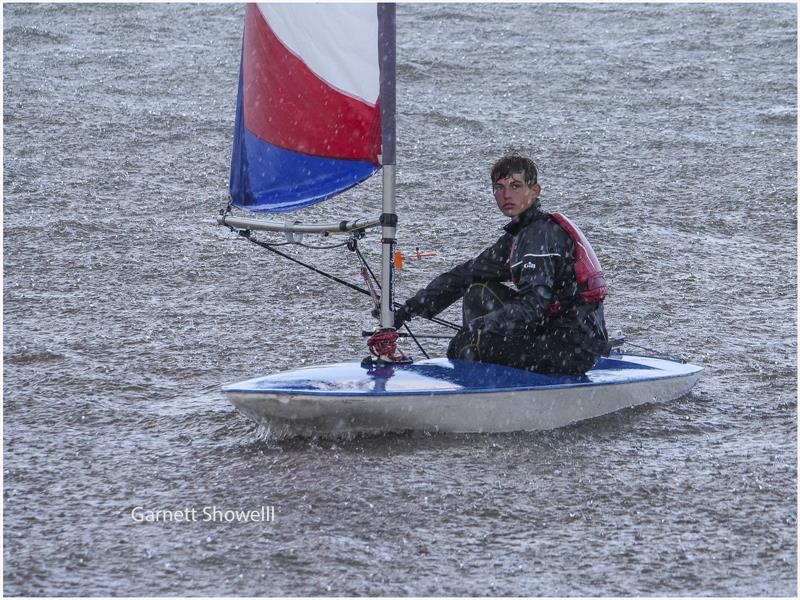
x=308, y=118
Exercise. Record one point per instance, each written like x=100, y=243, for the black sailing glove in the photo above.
x=401, y=315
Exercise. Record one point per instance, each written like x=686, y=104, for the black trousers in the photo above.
x=544, y=351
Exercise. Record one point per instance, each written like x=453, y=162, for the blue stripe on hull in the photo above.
x=442, y=376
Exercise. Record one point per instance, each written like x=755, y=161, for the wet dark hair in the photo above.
x=515, y=163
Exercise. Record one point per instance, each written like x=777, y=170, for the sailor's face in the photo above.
x=513, y=195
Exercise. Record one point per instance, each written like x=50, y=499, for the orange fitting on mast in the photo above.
x=399, y=258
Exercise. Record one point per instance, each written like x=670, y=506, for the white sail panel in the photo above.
x=336, y=41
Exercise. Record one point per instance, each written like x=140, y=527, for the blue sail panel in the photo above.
x=275, y=180
x=269, y=179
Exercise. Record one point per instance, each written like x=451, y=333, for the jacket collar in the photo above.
x=521, y=220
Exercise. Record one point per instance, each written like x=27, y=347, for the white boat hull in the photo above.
x=334, y=399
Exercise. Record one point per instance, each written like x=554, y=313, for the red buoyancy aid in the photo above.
x=588, y=274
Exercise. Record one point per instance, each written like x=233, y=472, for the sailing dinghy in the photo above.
x=316, y=116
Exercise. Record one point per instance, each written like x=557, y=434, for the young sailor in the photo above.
x=551, y=320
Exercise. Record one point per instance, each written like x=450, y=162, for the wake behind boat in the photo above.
x=316, y=116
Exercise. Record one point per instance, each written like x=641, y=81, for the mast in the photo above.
x=387, y=58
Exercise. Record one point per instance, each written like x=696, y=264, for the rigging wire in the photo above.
x=366, y=269
x=352, y=244
x=247, y=234
x=436, y=320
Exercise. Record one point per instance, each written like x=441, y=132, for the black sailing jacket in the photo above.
x=538, y=256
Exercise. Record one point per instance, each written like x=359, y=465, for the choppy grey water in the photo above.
x=667, y=131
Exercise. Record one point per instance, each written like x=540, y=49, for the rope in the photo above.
x=245, y=233
x=416, y=341
x=352, y=244
x=436, y=320
x=375, y=300
x=384, y=344
x=376, y=303
x=364, y=263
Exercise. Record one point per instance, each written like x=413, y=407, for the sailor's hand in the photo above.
x=401, y=315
